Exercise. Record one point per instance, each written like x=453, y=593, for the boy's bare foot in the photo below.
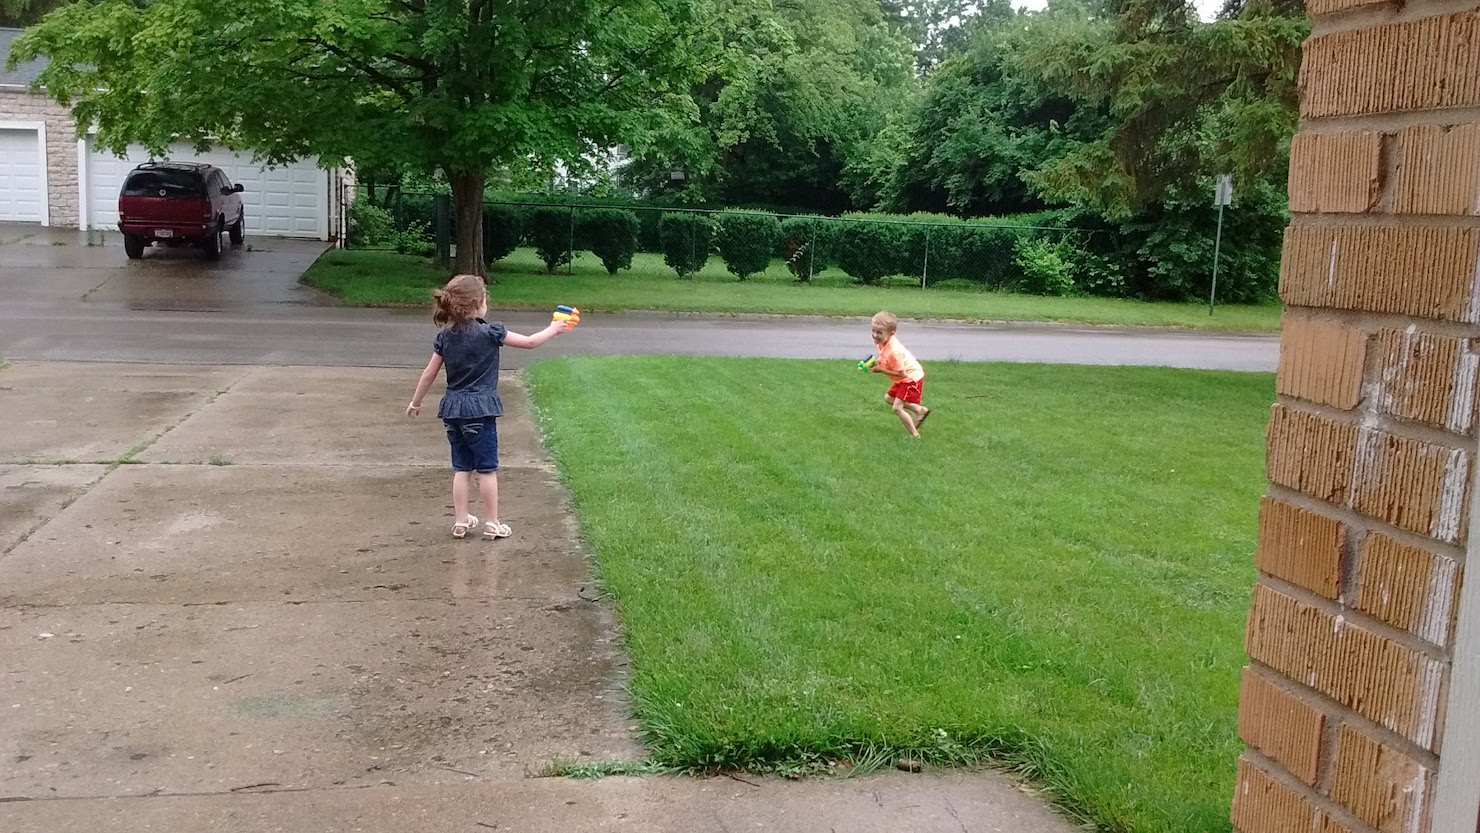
x=920, y=420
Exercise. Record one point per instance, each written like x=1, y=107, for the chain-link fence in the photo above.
x=867, y=248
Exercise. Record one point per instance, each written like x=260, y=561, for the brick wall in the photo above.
x=61, y=148
x=1372, y=444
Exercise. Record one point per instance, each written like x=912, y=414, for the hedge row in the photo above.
x=866, y=247
x=1163, y=254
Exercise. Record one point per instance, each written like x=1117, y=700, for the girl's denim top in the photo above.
x=470, y=354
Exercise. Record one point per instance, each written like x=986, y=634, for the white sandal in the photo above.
x=494, y=529
x=460, y=529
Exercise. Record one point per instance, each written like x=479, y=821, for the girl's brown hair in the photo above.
x=459, y=300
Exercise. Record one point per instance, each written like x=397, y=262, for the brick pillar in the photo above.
x=1363, y=535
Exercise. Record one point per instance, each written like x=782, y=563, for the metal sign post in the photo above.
x=1222, y=196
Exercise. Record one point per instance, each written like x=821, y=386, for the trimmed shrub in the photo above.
x=978, y=252
x=503, y=231
x=747, y=241
x=806, y=245
x=870, y=250
x=549, y=230
x=685, y=240
x=610, y=234
x=370, y=225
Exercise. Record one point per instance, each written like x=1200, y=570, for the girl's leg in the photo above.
x=488, y=489
x=461, y=484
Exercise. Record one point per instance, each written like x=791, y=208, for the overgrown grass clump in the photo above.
x=1055, y=577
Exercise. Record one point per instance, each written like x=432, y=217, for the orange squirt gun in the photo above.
x=571, y=315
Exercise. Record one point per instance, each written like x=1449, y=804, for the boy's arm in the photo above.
x=423, y=384
x=513, y=339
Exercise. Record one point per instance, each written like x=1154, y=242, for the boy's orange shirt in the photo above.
x=893, y=356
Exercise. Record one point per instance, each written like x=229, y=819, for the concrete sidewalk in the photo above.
x=259, y=621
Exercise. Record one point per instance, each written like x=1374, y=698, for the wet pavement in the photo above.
x=73, y=296
x=229, y=600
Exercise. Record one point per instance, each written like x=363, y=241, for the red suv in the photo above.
x=179, y=203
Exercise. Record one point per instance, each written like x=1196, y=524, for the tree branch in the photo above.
x=391, y=82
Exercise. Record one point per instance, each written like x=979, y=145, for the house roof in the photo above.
x=23, y=75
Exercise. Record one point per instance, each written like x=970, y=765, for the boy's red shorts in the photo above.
x=907, y=390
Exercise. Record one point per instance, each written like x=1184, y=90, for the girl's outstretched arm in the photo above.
x=512, y=339
x=423, y=384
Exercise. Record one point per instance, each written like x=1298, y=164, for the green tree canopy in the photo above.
x=21, y=13
x=1184, y=98
x=795, y=89
x=456, y=86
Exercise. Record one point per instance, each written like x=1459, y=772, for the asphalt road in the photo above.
x=62, y=299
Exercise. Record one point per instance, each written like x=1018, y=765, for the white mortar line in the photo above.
x=1452, y=496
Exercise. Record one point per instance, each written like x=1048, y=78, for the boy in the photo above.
x=900, y=366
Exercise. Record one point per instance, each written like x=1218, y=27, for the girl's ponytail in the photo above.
x=458, y=302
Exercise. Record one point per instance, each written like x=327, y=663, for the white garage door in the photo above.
x=291, y=201
x=22, y=180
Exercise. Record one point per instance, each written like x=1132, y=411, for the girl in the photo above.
x=468, y=346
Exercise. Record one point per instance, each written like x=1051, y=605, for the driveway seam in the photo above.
x=72, y=498
x=127, y=458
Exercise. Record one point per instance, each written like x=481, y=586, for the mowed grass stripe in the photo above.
x=1056, y=575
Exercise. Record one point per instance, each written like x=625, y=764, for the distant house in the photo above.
x=51, y=176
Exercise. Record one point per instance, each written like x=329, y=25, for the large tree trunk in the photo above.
x=467, y=206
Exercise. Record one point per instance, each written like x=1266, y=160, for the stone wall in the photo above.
x=61, y=149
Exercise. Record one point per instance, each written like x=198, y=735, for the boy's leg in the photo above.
x=904, y=417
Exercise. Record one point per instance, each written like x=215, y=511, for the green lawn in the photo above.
x=1056, y=576
x=385, y=278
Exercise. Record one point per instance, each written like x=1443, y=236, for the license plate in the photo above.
x=164, y=232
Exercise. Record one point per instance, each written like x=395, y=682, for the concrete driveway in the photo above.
x=229, y=600
x=67, y=265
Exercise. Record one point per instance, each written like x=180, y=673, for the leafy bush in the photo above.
x=408, y=208
x=747, y=241
x=415, y=239
x=370, y=226
x=610, y=234
x=1176, y=242
x=685, y=239
x=1095, y=274
x=1046, y=265
x=503, y=231
x=806, y=245
x=550, y=231
x=1165, y=252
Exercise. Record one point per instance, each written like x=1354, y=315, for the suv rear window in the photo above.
x=173, y=183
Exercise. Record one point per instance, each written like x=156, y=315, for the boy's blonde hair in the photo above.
x=888, y=319
x=459, y=300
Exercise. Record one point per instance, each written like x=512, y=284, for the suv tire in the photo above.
x=237, y=230
x=133, y=246
x=212, y=244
